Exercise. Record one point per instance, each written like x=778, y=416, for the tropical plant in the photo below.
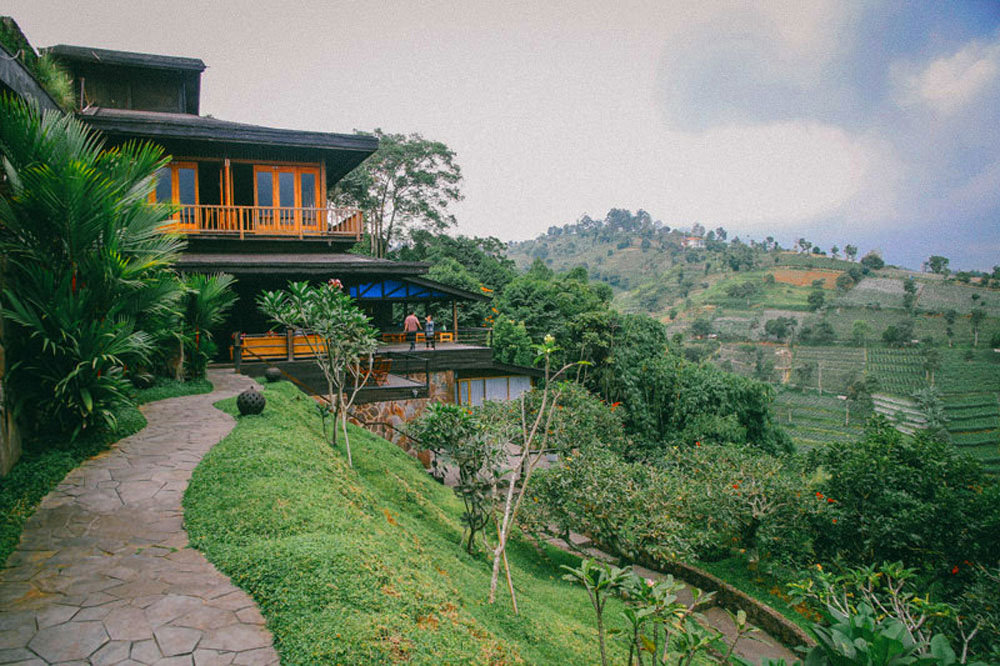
x=891, y=493
x=341, y=338
x=600, y=581
x=85, y=260
x=204, y=303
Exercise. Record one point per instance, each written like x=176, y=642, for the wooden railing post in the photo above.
x=290, y=343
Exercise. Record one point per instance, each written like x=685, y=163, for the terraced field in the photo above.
x=816, y=420
x=941, y=296
x=898, y=371
x=880, y=291
x=836, y=367
x=974, y=424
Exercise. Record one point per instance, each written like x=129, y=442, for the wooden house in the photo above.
x=252, y=202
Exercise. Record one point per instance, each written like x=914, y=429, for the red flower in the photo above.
x=736, y=486
x=819, y=495
x=697, y=443
x=830, y=500
x=954, y=569
x=834, y=521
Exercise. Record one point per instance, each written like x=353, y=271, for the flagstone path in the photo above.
x=103, y=573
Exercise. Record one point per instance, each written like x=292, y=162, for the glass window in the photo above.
x=496, y=389
x=164, y=185
x=265, y=189
x=519, y=385
x=308, y=189
x=286, y=189
x=186, y=187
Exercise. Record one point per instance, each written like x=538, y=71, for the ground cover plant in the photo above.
x=44, y=463
x=367, y=565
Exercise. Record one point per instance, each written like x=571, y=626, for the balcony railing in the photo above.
x=243, y=221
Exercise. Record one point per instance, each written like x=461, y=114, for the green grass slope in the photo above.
x=365, y=565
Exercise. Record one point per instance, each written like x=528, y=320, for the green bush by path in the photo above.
x=44, y=464
x=366, y=565
x=172, y=388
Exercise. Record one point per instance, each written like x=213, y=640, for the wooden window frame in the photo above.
x=175, y=183
x=297, y=170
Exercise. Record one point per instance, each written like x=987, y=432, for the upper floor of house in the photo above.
x=228, y=181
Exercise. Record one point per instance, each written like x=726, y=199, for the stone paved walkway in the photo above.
x=104, y=574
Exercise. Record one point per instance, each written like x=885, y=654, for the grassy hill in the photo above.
x=365, y=565
x=651, y=271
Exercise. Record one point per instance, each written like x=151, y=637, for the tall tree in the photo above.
x=851, y=252
x=410, y=181
x=938, y=264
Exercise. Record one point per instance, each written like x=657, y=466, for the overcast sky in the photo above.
x=872, y=123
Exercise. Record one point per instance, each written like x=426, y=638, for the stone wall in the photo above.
x=397, y=413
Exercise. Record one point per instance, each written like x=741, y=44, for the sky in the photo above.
x=874, y=123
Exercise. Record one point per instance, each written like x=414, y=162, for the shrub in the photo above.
x=890, y=494
x=702, y=501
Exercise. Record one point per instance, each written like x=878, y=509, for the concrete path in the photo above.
x=104, y=574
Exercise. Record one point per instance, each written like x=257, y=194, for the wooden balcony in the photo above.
x=265, y=221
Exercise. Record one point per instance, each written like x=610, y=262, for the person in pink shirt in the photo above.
x=410, y=326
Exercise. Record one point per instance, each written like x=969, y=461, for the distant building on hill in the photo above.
x=693, y=242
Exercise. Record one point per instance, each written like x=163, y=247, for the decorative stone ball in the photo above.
x=272, y=374
x=250, y=401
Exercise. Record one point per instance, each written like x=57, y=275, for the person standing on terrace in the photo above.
x=429, y=332
x=410, y=326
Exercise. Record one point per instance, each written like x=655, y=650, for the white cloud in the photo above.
x=779, y=175
x=949, y=83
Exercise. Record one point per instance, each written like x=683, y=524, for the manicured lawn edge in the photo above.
x=44, y=465
x=171, y=388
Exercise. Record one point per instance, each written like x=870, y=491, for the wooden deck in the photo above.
x=264, y=221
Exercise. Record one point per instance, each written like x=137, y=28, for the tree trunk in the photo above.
x=179, y=372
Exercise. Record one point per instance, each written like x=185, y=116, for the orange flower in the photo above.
x=697, y=443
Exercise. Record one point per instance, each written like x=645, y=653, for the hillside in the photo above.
x=365, y=565
x=729, y=290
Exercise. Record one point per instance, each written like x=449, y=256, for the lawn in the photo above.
x=44, y=464
x=365, y=565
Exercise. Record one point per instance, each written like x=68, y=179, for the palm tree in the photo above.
x=204, y=304
x=85, y=259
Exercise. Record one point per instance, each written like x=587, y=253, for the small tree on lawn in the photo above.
x=531, y=437
x=345, y=348
x=452, y=432
x=976, y=319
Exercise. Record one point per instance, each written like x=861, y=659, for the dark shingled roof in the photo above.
x=89, y=54
x=188, y=126
x=304, y=263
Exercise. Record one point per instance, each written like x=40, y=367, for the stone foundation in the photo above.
x=388, y=419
